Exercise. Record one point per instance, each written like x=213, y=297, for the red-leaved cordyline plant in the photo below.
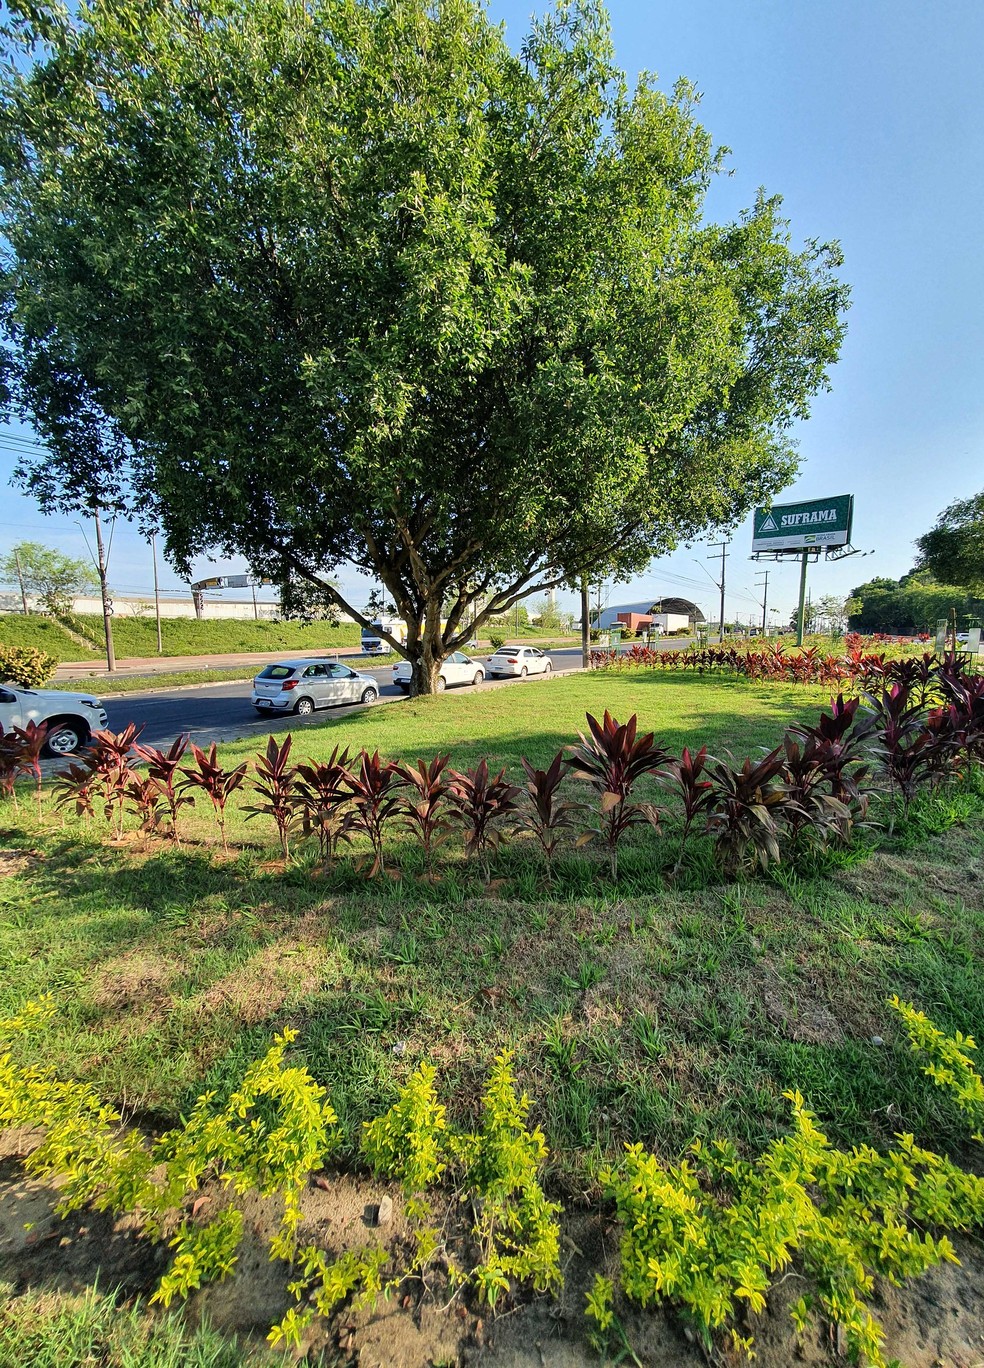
x=321, y=797
x=749, y=809
x=962, y=716
x=685, y=777
x=837, y=741
x=372, y=784
x=542, y=815
x=162, y=767
x=276, y=783
x=896, y=724
x=77, y=785
x=145, y=795
x=109, y=757
x=9, y=759
x=424, y=811
x=218, y=783
x=812, y=812
x=30, y=743
x=481, y=802
x=612, y=761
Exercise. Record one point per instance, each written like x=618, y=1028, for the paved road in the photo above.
x=223, y=712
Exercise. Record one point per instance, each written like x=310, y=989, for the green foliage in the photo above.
x=24, y=665
x=618, y=372
x=223, y=636
x=408, y=1143
x=953, y=548
x=203, y=1253
x=39, y=633
x=947, y=1062
x=326, y=1284
x=53, y=579
x=847, y=1215
x=273, y=1130
x=46, y=1329
x=515, y=1225
x=913, y=604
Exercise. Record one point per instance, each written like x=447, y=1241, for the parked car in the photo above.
x=301, y=686
x=518, y=661
x=71, y=718
x=457, y=669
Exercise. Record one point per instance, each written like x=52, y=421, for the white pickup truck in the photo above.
x=457, y=669
x=71, y=718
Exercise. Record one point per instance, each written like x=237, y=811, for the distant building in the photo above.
x=669, y=614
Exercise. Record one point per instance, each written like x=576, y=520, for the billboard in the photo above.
x=798, y=526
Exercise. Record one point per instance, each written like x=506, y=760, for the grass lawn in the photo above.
x=643, y=1010
x=181, y=636
x=42, y=633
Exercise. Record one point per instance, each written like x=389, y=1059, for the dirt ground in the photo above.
x=936, y=1321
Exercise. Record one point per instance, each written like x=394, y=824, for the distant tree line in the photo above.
x=910, y=605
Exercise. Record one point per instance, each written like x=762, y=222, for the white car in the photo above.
x=457, y=669
x=518, y=662
x=301, y=686
x=71, y=718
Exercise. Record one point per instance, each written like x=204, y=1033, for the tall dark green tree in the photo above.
x=953, y=549
x=352, y=281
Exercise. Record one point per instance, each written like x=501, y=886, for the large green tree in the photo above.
x=53, y=579
x=953, y=549
x=352, y=281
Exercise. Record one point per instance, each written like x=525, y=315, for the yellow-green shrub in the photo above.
x=947, y=1062
x=26, y=666
x=275, y=1127
x=709, y=1233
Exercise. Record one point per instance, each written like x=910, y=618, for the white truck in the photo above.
x=71, y=718
x=373, y=643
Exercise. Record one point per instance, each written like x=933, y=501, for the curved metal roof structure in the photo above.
x=677, y=605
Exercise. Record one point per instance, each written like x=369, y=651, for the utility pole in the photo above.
x=723, y=548
x=20, y=580
x=107, y=602
x=765, y=597
x=256, y=611
x=801, y=611
x=585, y=623
x=157, y=593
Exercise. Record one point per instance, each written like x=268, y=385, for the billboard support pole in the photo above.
x=801, y=615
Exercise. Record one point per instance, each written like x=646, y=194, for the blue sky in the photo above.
x=867, y=116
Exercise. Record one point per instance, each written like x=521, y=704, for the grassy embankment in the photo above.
x=647, y=1010
x=181, y=636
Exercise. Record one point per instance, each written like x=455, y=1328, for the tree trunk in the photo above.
x=426, y=669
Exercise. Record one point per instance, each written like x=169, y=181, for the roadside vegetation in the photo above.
x=399, y=923
x=181, y=636
x=137, y=636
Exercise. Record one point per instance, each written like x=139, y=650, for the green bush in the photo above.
x=495, y=640
x=25, y=666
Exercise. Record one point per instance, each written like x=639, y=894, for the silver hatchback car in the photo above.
x=301, y=686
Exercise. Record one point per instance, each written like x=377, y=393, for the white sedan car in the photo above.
x=518, y=662
x=301, y=686
x=457, y=669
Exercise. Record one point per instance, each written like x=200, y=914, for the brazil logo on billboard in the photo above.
x=798, y=526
